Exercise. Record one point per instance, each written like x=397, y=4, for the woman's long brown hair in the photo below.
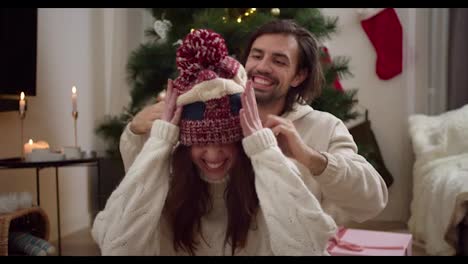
x=189, y=199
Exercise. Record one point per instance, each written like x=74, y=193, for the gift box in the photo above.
x=356, y=242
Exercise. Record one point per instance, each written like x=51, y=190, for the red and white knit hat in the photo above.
x=209, y=86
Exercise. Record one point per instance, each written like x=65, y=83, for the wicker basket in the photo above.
x=33, y=220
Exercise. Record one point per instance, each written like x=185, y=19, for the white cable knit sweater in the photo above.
x=290, y=220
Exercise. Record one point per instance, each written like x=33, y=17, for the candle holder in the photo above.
x=22, y=115
x=75, y=117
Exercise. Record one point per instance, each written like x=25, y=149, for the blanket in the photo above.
x=440, y=179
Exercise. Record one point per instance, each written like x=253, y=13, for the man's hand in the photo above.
x=292, y=145
x=248, y=115
x=143, y=120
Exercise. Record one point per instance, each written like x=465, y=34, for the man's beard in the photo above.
x=269, y=98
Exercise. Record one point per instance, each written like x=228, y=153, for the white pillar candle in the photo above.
x=28, y=146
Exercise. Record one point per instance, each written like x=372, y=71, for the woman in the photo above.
x=226, y=188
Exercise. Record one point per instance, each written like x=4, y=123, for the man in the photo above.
x=283, y=64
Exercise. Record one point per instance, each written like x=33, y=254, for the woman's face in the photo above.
x=214, y=160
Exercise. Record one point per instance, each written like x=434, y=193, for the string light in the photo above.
x=247, y=13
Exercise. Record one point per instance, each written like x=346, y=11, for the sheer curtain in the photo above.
x=438, y=61
x=115, y=34
x=123, y=31
x=457, y=90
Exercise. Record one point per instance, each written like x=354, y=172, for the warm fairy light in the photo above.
x=192, y=30
x=247, y=13
x=22, y=96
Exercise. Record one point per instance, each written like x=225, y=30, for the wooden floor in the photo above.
x=82, y=244
x=79, y=244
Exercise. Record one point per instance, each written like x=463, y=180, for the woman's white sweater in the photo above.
x=290, y=219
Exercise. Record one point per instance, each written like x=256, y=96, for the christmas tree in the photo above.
x=153, y=62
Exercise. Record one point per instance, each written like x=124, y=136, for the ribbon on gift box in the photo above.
x=337, y=241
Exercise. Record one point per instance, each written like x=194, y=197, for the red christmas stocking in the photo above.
x=386, y=35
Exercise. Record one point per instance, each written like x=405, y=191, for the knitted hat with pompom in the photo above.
x=209, y=86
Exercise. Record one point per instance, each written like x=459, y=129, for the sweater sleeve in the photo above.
x=296, y=223
x=130, y=145
x=349, y=181
x=129, y=223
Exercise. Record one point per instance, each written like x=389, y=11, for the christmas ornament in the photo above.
x=275, y=11
x=161, y=27
x=327, y=60
x=385, y=32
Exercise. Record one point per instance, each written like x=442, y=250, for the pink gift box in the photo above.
x=356, y=242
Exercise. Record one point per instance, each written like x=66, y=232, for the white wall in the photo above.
x=389, y=102
x=75, y=47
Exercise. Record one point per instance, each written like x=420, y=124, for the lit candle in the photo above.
x=74, y=98
x=22, y=103
x=30, y=146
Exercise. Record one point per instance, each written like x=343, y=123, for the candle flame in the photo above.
x=22, y=96
x=30, y=142
x=74, y=90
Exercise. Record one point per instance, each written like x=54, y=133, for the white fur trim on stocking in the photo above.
x=366, y=13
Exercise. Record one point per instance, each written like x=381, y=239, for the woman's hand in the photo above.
x=172, y=112
x=248, y=115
